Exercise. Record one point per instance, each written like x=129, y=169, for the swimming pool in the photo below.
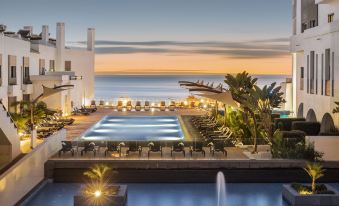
x=135, y=128
x=238, y=194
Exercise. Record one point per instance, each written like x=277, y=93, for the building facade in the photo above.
x=30, y=61
x=315, y=53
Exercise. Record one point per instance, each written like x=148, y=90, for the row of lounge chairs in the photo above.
x=84, y=110
x=51, y=124
x=138, y=106
x=153, y=147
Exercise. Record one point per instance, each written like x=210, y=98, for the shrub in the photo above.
x=285, y=124
x=310, y=128
x=292, y=145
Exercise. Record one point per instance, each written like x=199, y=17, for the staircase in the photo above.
x=9, y=138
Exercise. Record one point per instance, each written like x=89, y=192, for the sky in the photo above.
x=168, y=36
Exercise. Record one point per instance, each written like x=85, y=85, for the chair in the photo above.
x=218, y=146
x=129, y=106
x=66, y=147
x=89, y=147
x=197, y=147
x=134, y=147
x=120, y=106
x=178, y=147
x=154, y=147
x=172, y=106
x=162, y=106
x=147, y=106
x=138, y=106
x=113, y=147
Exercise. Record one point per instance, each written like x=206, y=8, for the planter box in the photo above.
x=120, y=199
x=291, y=196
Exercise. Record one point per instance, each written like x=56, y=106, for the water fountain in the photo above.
x=221, y=189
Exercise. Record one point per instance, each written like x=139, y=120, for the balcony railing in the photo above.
x=327, y=87
x=27, y=81
x=75, y=77
x=301, y=83
x=12, y=81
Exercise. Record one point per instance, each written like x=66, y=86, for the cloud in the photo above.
x=262, y=48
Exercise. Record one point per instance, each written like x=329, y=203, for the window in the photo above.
x=26, y=75
x=316, y=74
x=308, y=74
x=302, y=78
x=42, y=67
x=68, y=66
x=312, y=72
x=327, y=72
x=322, y=74
x=332, y=74
x=51, y=65
x=330, y=18
x=13, y=72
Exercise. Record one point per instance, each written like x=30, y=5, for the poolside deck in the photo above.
x=82, y=123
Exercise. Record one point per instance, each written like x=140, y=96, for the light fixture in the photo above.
x=97, y=193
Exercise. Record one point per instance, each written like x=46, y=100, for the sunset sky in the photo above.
x=168, y=36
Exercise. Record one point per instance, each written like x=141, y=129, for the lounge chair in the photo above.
x=138, y=106
x=134, y=147
x=218, y=146
x=162, y=106
x=66, y=147
x=172, y=106
x=154, y=147
x=113, y=147
x=101, y=103
x=88, y=147
x=178, y=147
x=120, y=106
x=93, y=104
x=77, y=111
x=197, y=147
x=147, y=106
x=129, y=106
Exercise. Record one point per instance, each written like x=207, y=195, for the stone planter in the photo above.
x=120, y=199
x=291, y=196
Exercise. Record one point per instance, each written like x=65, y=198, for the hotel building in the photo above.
x=315, y=51
x=28, y=61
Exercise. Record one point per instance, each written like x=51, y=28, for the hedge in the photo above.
x=285, y=124
x=310, y=128
x=294, y=136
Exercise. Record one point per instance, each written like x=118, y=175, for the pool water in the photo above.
x=256, y=194
x=135, y=128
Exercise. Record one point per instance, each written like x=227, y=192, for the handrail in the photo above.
x=9, y=115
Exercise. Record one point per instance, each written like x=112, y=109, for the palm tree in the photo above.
x=315, y=171
x=98, y=172
x=242, y=86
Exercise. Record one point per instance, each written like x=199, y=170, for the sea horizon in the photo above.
x=159, y=87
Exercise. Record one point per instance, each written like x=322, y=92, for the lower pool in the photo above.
x=135, y=128
x=60, y=194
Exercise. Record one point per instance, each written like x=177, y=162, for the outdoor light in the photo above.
x=106, y=103
x=202, y=101
x=152, y=104
x=185, y=102
x=205, y=106
x=20, y=134
x=97, y=193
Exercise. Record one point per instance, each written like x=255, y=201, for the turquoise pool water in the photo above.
x=135, y=128
x=57, y=194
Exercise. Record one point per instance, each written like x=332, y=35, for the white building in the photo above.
x=28, y=61
x=315, y=51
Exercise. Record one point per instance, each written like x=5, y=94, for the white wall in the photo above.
x=21, y=178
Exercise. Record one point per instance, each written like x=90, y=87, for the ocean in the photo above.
x=158, y=87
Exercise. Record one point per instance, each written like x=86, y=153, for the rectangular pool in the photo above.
x=135, y=128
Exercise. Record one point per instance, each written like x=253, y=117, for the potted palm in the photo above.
x=297, y=194
x=99, y=190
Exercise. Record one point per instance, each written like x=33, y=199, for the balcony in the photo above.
x=27, y=88
x=12, y=81
x=14, y=90
x=328, y=87
x=301, y=83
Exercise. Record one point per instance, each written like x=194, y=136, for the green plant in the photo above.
x=98, y=172
x=315, y=171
